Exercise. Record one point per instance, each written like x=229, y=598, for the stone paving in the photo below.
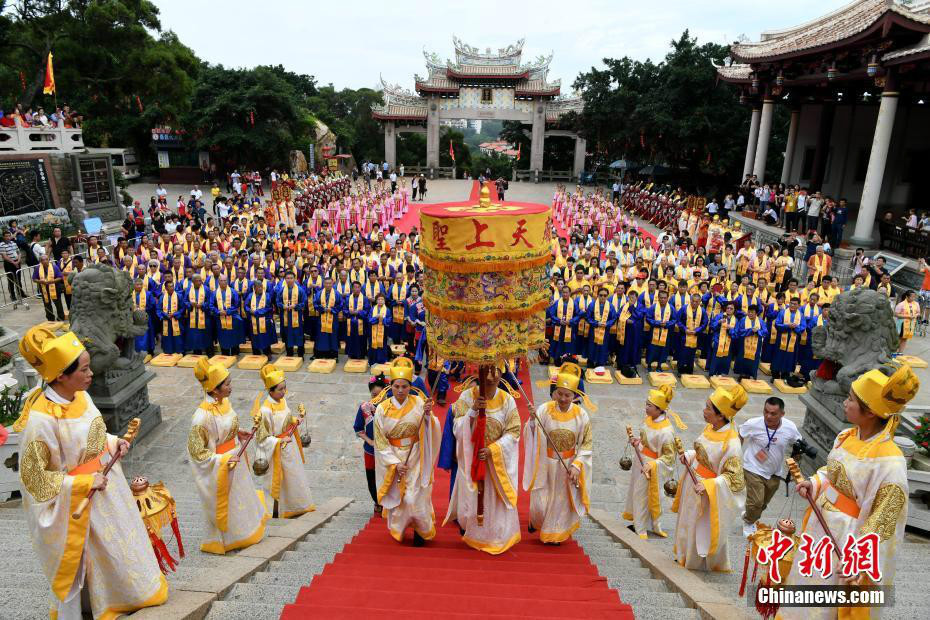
x=334, y=465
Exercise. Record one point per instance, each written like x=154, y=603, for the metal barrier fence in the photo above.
x=19, y=287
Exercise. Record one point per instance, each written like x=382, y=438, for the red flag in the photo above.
x=519, y=148
x=252, y=117
x=22, y=80
x=451, y=151
x=49, y=77
x=139, y=103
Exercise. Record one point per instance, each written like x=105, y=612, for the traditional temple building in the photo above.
x=857, y=82
x=479, y=85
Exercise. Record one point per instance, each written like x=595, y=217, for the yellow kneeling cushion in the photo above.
x=166, y=360
x=756, y=386
x=912, y=360
x=399, y=349
x=784, y=388
x=356, y=366
x=591, y=376
x=765, y=368
x=245, y=347
x=322, y=366
x=695, y=382
x=226, y=360
x=277, y=347
x=662, y=378
x=721, y=381
x=253, y=362
x=289, y=364
x=189, y=361
x=378, y=369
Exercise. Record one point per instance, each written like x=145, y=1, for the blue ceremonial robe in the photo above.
x=599, y=341
x=447, y=456
x=661, y=332
x=397, y=297
x=722, y=329
x=771, y=341
x=808, y=362
x=748, y=338
x=172, y=335
x=292, y=321
x=562, y=341
x=786, y=352
x=356, y=310
x=687, y=350
x=197, y=337
x=629, y=332
x=311, y=316
x=228, y=332
x=260, y=310
x=146, y=342
x=328, y=305
x=378, y=352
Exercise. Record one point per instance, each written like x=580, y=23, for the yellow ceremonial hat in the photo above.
x=402, y=368
x=729, y=401
x=661, y=397
x=886, y=396
x=48, y=354
x=209, y=375
x=271, y=375
x=568, y=377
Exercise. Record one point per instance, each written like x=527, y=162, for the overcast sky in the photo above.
x=349, y=42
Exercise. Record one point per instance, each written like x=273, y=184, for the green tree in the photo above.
x=347, y=113
x=462, y=152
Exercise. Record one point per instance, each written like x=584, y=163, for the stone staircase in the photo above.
x=650, y=598
x=265, y=593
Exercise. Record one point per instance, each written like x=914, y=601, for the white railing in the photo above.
x=56, y=139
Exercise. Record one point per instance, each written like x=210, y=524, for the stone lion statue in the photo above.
x=859, y=336
x=103, y=318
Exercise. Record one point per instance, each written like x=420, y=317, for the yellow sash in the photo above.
x=692, y=322
x=582, y=324
x=750, y=342
x=291, y=295
x=600, y=315
x=398, y=293
x=913, y=311
x=49, y=291
x=169, y=305
x=258, y=322
x=66, y=268
x=660, y=334
x=625, y=313
x=223, y=305
x=565, y=310
x=326, y=317
x=790, y=338
x=356, y=304
x=141, y=300
x=377, y=329
x=198, y=318
x=723, y=344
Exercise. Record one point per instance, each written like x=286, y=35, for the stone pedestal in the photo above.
x=122, y=395
x=823, y=421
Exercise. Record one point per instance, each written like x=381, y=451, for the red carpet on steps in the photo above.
x=373, y=574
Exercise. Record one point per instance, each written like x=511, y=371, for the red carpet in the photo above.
x=375, y=575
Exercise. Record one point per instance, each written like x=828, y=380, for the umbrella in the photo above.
x=654, y=170
x=622, y=164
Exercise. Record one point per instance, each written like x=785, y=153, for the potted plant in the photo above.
x=6, y=362
x=921, y=460
x=9, y=339
x=11, y=403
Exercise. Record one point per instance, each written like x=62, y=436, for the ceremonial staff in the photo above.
x=131, y=431
x=532, y=409
x=256, y=421
x=681, y=454
x=642, y=465
x=798, y=479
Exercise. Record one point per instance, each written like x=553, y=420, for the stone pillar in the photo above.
x=751, y=143
x=789, y=147
x=390, y=144
x=762, y=146
x=538, y=136
x=875, y=173
x=432, y=133
x=580, y=146
x=821, y=154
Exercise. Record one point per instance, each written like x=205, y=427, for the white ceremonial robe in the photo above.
x=704, y=522
x=870, y=476
x=286, y=479
x=398, y=430
x=234, y=511
x=498, y=528
x=557, y=505
x=643, y=497
x=106, y=551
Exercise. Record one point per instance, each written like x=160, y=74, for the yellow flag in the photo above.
x=49, y=77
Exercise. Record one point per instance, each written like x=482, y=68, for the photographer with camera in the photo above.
x=766, y=440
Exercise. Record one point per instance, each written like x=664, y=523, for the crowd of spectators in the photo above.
x=62, y=116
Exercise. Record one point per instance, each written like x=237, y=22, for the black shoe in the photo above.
x=419, y=541
x=530, y=529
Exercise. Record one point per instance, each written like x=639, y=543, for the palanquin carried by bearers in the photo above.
x=104, y=551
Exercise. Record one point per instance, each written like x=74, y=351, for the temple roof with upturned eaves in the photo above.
x=846, y=24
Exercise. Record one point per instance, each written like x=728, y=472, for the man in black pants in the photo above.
x=11, y=265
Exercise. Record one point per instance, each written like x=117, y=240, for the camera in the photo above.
x=802, y=447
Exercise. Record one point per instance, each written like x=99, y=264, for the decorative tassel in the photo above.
x=177, y=536
x=742, y=583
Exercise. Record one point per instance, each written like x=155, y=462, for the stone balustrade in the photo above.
x=55, y=139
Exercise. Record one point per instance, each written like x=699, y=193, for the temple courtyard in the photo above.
x=259, y=581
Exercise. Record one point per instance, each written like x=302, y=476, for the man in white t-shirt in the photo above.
x=161, y=193
x=196, y=194
x=767, y=440
x=616, y=191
